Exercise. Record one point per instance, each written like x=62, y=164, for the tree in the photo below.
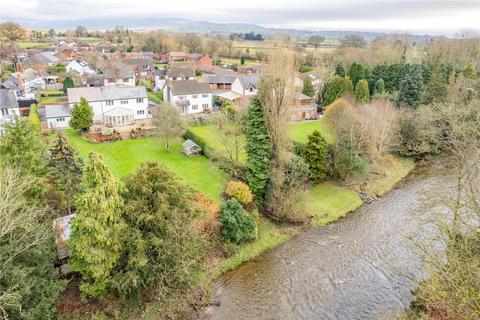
x=242, y=60
x=239, y=191
x=65, y=169
x=94, y=242
x=316, y=156
x=258, y=151
x=315, y=41
x=437, y=88
x=354, y=41
x=81, y=31
x=340, y=70
x=470, y=72
x=356, y=73
x=68, y=83
x=308, y=88
x=335, y=88
x=238, y=225
x=161, y=248
x=82, y=116
x=379, y=86
x=11, y=31
x=33, y=116
x=411, y=88
x=192, y=42
x=168, y=123
x=52, y=34
x=362, y=92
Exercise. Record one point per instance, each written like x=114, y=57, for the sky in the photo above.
x=423, y=16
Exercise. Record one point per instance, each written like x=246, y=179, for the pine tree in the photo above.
x=242, y=60
x=361, y=91
x=340, y=70
x=412, y=88
x=33, y=116
x=258, y=151
x=356, y=73
x=335, y=88
x=316, y=156
x=379, y=87
x=68, y=83
x=82, y=116
x=94, y=243
x=437, y=89
x=308, y=88
x=65, y=169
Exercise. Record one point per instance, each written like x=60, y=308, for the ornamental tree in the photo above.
x=82, y=116
x=238, y=225
x=361, y=91
x=411, y=89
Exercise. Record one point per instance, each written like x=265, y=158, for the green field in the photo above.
x=32, y=45
x=299, y=131
x=123, y=157
x=237, y=61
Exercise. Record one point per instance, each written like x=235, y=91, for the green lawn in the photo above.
x=248, y=62
x=123, y=157
x=299, y=131
x=46, y=93
x=29, y=44
x=155, y=97
x=52, y=100
x=327, y=202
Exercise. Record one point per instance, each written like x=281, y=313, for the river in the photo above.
x=364, y=266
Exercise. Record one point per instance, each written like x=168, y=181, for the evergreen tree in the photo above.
x=316, y=156
x=94, y=243
x=356, y=73
x=238, y=225
x=258, y=151
x=335, y=88
x=340, y=70
x=82, y=116
x=68, y=83
x=412, y=88
x=33, y=116
x=308, y=88
x=242, y=60
x=362, y=93
x=437, y=89
x=65, y=169
x=379, y=87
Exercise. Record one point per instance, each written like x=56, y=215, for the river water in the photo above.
x=364, y=266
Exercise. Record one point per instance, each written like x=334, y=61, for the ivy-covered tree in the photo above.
x=437, y=89
x=68, y=83
x=356, y=73
x=362, y=93
x=308, y=88
x=65, y=169
x=412, y=88
x=161, y=249
x=82, y=116
x=379, y=87
x=94, y=243
x=315, y=154
x=335, y=88
x=33, y=116
x=340, y=70
x=258, y=151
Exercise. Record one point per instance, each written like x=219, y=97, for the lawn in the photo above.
x=52, y=100
x=248, y=62
x=123, y=157
x=299, y=131
x=31, y=45
x=47, y=93
x=327, y=202
x=392, y=170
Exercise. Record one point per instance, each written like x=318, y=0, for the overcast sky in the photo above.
x=433, y=16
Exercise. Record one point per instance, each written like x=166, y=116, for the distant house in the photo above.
x=115, y=105
x=314, y=77
x=180, y=73
x=104, y=47
x=252, y=69
x=118, y=76
x=95, y=81
x=214, y=70
x=176, y=56
x=246, y=85
x=69, y=53
x=84, y=46
x=220, y=82
x=302, y=107
x=80, y=66
x=190, y=148
x=189, y=96
x=57, y=116
x=8, y=107
x=45, y=58
x=141, y=67
x=199, y=60
x=139, y=55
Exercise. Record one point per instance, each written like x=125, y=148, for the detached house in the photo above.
x=180, y=73
x=189, y=96
x=199, y=60
x=115, y=105
x=114, y=76
x=246, y=85
x=176, y=56
x=220, y=82
x=141, y=67
x=302, y=107
x=81, y=67
x=8, y=107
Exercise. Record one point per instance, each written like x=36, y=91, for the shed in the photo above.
x=190, y=148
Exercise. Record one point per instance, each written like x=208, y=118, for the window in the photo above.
x=182, y=97
x=205, y=106
x=139, y=100
x=61, y=119
x=123, y=101
x=140, y=112
x=109, y=102
x=4, y=112
x=205, y=95
x=194, y=106
x=194, y=96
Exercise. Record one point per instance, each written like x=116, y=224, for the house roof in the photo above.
x=189, y=87
x=177, y=54
x=118, y=73
x=184, y=72
x=8, y=99
x=56, y=111
x=96, y=80
x=194, y=56
x=312, y=75
x=220, y=78
x=119, y=111
x=247, y=81
x=190, y=144
x=45, y=57
x=105, y=93
x=140, y=62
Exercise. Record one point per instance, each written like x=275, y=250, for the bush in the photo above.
x=316, y=156
x=239, y=191
x=238, y=225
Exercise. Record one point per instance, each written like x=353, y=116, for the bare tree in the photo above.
x=169, y=124
x=192, y=42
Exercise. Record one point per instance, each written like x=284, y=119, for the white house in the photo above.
x=80, y=67
x=112, y=106
x=246, y=85
x=189, y=96
x=115, y=77
x=8, y=107
x=57, y=116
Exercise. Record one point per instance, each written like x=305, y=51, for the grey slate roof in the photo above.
x=189, y=87
x=184, y=72
x=106, y=93
x=8, y=99
x=56, y=111
x=43, y=58
x=220, y=78
x=96, y=80
x=118, y=73
x=248, y=81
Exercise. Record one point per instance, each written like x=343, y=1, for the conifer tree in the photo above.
x=361, y=91
x=335, y=88
x=65, y=169
x=94, y=244
x=316, y=156
x=379, y=86
x=412, y=88
x=356, y=73
x=437, y=89
x=68, y=83
x=340, y=70
x=82, y=116
x=258, y=151
x=308, y=88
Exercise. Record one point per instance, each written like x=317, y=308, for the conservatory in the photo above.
x=118, y=117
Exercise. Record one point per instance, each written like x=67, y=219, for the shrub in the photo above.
x=316, y=156
x=239, y=191
x=238, y=225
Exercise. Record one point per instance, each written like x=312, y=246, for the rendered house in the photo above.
x=57, y=116
x=160, y=79
x=220, y=82
x=8, y=107
x=115, y=105
x=246, y=85
x=180, y=73
x=141, y=67
x=80, y=67
x=139, y=55
x=115, y=76
x=189, y=96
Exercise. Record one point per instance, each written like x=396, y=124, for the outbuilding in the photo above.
x=190, y=148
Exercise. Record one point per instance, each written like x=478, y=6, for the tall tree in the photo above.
x=335, y=88
x=168, y=123
x=356, y=73
x=192, y=42
x=82, y=116
x=33, y=116
x=258, y=151
x=81, y=31
x=379, y=86
x=412, y=88
x=68, y=83
x=354, y=41
x=340, y=70
x=316, y=156
x=437, y=88
x=315, y=41
x=11, y=31
x=94, y=243
x=65, y=169
x=308, y=88
x=362, y=93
